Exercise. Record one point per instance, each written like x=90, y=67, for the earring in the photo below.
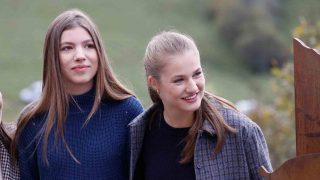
x=157, y=91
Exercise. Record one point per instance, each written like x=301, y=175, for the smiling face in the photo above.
x=78, y=60
x=181, y=84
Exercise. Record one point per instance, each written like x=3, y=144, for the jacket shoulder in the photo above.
x=238, y=120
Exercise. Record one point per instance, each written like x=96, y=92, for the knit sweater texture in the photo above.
x=101, y=146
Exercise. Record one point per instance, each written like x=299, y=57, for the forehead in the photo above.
x=181, y=64
x=75, y=33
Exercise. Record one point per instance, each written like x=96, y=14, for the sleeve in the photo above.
x=27, y=154
x=256, y=152
x=135, y=109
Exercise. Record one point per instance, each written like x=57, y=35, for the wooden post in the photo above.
x=307, y=110
x=307, y=98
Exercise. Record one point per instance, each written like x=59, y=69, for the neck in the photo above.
x=78, y=90
x=178, y=120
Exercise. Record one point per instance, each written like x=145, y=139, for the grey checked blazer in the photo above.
x=240, y=158
x=9, y=168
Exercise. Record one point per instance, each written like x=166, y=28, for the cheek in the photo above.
x=64, y=60
x=64, y=66
x=175, y=91
x=201, y=84
x=95, y=65
x=94, y=59
x=92, y=54
x=167, y=91
x=65, y=75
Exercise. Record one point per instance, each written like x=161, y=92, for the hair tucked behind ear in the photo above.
x=170, y=43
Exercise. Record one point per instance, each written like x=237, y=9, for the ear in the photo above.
x=153, y=83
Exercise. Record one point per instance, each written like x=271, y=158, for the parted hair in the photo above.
x=171, y=43
x=54, y=100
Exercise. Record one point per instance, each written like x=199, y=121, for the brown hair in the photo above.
x=54, y=100
x=169, y=43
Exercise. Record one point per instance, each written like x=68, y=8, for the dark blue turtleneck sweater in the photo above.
x=101, y=147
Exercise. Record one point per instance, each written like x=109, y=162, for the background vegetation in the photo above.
x=239, y=40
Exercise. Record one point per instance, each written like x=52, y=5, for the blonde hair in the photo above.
x=54, y=101
x=170, y=43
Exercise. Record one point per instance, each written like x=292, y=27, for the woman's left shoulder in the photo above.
x=132, y=101
x=131, y=105
x=231, y=115
x=237, y=119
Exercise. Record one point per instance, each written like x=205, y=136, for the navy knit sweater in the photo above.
x=101, y=146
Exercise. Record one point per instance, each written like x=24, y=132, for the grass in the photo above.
x=126, y=27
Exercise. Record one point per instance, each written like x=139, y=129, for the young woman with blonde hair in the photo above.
x=77, y=129
x=189, y=133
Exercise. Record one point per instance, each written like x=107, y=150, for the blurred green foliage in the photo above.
x=277, y=118
x=252, y=28
x=309, y=32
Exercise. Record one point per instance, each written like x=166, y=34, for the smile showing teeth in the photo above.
x=190, y=97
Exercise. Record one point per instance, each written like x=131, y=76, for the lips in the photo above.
x=191, y=98
x=80, y=68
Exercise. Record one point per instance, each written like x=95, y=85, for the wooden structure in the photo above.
x=307, y=98
x=307, y=110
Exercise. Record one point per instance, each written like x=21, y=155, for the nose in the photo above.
x=192, y=86
x=79, y=54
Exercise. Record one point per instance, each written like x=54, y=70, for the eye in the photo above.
x=178, y=81
x=66, y=48
x=90, y=46
x=197, y=74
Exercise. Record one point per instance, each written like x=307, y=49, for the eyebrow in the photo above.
x=179, y=76
x=83, y=42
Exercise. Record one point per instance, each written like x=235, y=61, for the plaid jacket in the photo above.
x=9, y=169
x=240, y=158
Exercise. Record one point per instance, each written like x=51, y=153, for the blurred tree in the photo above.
x=250, y=27
x=277, y=118
x=309, y=32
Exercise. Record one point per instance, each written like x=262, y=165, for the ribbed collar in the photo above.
x=83, y=101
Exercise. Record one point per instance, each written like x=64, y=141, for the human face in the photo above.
x=78, y=60
x=181, y=84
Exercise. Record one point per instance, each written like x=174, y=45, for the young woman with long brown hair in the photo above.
x=77, y=129
x=189, y=133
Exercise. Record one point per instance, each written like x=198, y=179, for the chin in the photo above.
x=193, y=107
